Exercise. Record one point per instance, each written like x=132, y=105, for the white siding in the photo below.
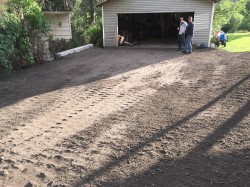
x=202, y=15
x=60, y=25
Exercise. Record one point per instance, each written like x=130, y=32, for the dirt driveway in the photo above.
x=128, y=117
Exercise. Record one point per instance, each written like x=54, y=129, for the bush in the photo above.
x=245, y=23
x=31, y=13
x=77, y=38
x=235, y=22
x=10, y=28
x=94, y=34
x=59, y=45
x=19, y=25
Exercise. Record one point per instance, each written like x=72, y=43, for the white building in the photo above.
x=60, y=24
x=147, y=19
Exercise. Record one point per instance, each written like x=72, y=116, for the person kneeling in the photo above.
x=122, y=42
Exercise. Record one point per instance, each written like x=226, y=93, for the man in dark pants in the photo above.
x=181, y=36
x=189, y=35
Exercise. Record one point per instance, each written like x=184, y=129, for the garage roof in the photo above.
x=102, y=2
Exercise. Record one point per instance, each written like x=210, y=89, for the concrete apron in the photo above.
x=75, y=50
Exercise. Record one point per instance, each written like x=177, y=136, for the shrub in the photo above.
x=235, y=22
x=77, y=38
x=59, y=45
x=94, y=34
x=10, y=28
x=31, y=13
x=19, y=25
x=245, y=25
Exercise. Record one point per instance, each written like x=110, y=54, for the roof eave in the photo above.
x=102, y=3
x=106, y=1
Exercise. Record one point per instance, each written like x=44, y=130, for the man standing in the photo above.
x=189, y=35
x=181, y=36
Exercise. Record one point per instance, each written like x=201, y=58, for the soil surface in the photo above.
x=128, y=117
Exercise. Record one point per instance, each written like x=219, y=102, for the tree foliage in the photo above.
x=94, y=33
x=9, y=32
x=20, y=23
x=84, y=14
x=86, y=21
x=235, y=22
x=245, y=25
x=57, y=5
x=230, y=14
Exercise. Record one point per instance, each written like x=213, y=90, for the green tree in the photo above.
x=235, y=22
x=9, y=32
x=19, y=25
x=84, y=13
x=86, y=24
x=245, y=25
x=86, y=18
x=56, y=5
x=226, y=10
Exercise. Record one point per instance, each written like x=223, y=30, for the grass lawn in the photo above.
x=238, y=42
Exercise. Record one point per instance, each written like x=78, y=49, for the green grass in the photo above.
x=238, y=42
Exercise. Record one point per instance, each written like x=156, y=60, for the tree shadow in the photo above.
x=188, y=169
x=76, y=70
x=224, y=169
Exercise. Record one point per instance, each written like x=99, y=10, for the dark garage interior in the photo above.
x=150, y=27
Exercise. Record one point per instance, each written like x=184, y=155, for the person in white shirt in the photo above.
x=181, y=35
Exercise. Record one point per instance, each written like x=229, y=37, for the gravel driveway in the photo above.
x=128, y=117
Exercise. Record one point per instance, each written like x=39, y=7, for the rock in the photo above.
x=50, y=183
x=4, y=173
x=41, y=175
x=21, y=168
x=29, y=184
x=12, y=152
x=163, y=151
x=50, y=166
x=58, y=157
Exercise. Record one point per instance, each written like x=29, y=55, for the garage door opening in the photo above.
x=151, y=28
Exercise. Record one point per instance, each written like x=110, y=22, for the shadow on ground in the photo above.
x=198, y=167
x=78, y=69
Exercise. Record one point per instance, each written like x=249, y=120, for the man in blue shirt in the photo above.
x=189, y=35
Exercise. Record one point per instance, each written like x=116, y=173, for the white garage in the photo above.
x=157, y=20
